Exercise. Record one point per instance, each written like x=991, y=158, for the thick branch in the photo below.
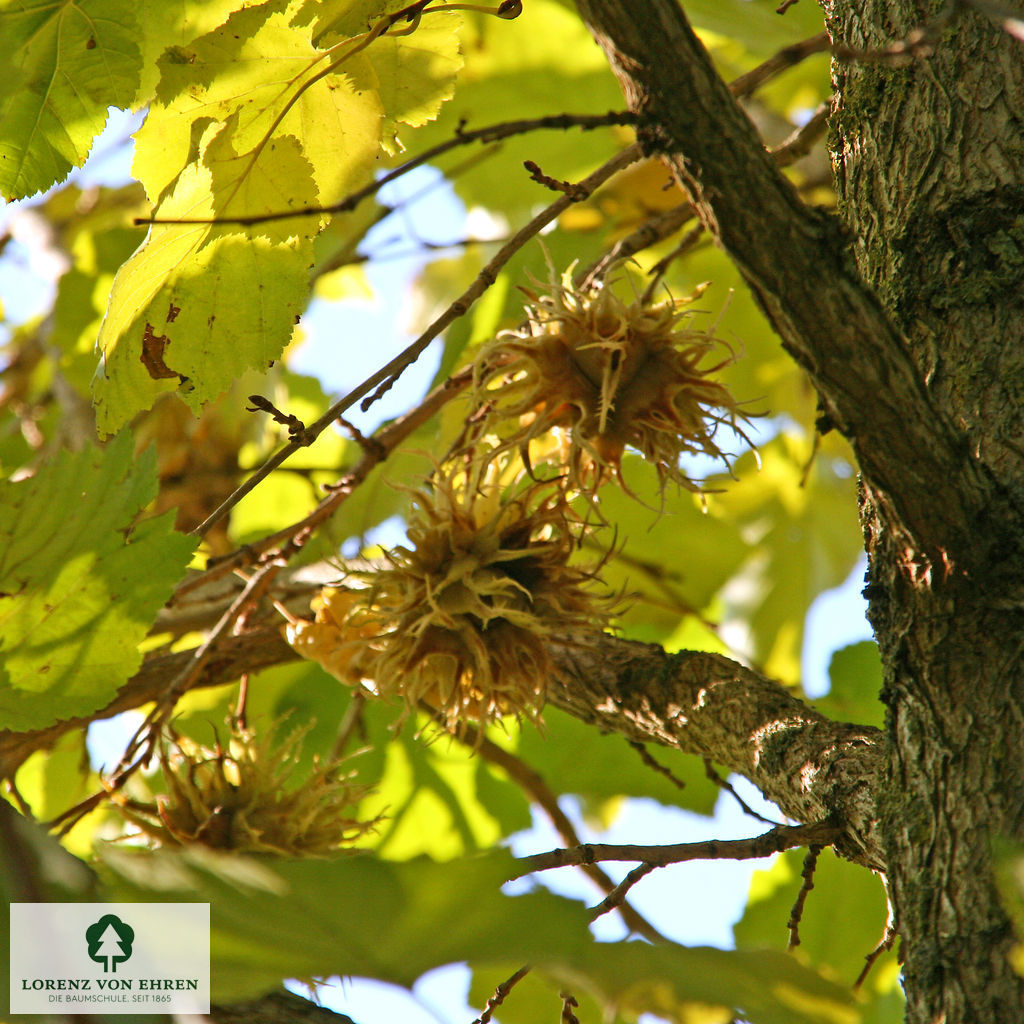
x=797, y=262
x=813, y=768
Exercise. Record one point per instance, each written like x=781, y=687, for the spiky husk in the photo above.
x=240, y=798
x=337, y=638
x=463, y=613
x=608, y=375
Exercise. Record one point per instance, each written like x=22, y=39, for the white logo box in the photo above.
x=110, y=958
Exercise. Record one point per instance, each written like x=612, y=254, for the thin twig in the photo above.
x=375, y=451
x=534, y=785
x=727, y=786
x=797, y=913
x=787, y=57
x=883, y=947
x=489, y=134
x=665, y=224
x=147, y=735
x=500, y=993
x=656, y=229
x=386, y=376
x=648, y=760
x=688, y=242
x=618, y=894
x=784, y=837
x=251, y=593
x=390, y=374
x=800, y=142
x=15, y=794
x=569, y=1004
x=886, y=942
x=351, y=722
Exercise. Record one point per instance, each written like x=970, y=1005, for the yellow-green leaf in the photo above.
x=63, y=65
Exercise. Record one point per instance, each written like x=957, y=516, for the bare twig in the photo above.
x=656, y=229
x=489, y=134
x=500, y=993
x=727, y=786
x=787, y=57
x=569, y=1004
x=148, y=734
x=555, y=184
x=19, y=801
x=534, y=785
x=688, y=242
x=869, y=961
x=616, y=897
x=797, y=913
x=296, y=428
x=376, y=449
x=648, y=760
x=351, y=723
x=386, y=376
x=390, y=373
x=800, y=142
x=253, y=590
x=784, y=837
x=887, y=940
x=665, y=224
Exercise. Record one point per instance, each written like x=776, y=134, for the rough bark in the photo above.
x=815, y=769
x=916, y=355
x=928, y=160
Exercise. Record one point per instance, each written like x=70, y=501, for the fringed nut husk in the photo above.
x=464, y=611
x=241, y=798
x=608, y=375
x=334, y=639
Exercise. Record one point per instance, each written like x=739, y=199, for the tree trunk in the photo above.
x=916, y=354
x=928, y=162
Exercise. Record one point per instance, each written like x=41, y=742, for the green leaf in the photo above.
x=670, y=558
x=80, y=581
x=544, y=62
x=166, y=26
x=801, y=519
x=756, y=23
x=573, y=758
x=534, y=999
x=1009, y=873
x=856, y=674
x=64, y=64
x=258, y=78
x=395, y=921
x=416, y=73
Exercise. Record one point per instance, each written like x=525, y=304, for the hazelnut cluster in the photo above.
x=606, y=375
x=241, y=797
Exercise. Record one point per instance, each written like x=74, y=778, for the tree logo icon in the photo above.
x=110, y=942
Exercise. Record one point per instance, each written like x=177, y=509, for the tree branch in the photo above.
x=798, y=264
x=813, y=768
x=785, y=837
x=704, y=704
